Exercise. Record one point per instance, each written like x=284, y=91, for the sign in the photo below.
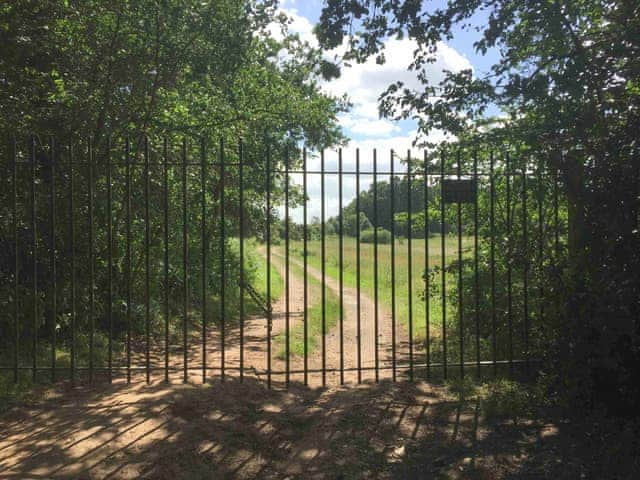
x=459, y=191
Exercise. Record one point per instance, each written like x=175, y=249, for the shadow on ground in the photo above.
x=235, y=430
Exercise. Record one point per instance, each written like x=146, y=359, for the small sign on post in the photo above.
x=459, y=191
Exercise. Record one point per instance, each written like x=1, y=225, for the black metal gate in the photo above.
x=196, y=261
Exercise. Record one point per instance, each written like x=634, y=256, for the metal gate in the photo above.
x=193, y=260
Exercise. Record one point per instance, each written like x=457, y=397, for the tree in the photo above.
x=567, y=79
x=380, y=211
x=182, y=69
x=201, y=68
x=351, y=221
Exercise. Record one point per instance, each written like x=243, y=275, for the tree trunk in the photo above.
x=574, y=181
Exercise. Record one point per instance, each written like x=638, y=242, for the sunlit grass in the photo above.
x=257, y=261
x=401, y=274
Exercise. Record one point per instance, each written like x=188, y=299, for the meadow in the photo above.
x=401, y=279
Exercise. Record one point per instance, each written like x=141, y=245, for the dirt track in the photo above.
x=255, y=341
x=350, y=334
x=233, y=430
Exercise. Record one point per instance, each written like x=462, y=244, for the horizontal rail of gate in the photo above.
x=161, y=258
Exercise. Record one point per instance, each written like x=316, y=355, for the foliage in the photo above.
x=122, y=75
x=354, y=223
x=379, y=234
x=381, y=210
x=567, y=81
x=99, y=68
x=509, y=399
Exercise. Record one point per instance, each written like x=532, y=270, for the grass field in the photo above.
x=418, y=252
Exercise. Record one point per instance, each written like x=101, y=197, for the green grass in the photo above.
x=314, y=318
x=258, y=262
x=401, y=283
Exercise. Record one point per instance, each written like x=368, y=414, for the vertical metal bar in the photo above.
x=426, y=267
x=341, y=262
x=16, y=265
x=375, y=263
x=476, y=274
x=72, y=249
x=147, y=266
x=109, y=260
x=540, y=244
x=492, y=261
x=556, y=219
x=203, y=245
x=525, y=267
x=223, y=291
x=460, y=292
x=393, y=269
x=92, y=321
x=509, y=263
x=185, y=262
x=165, y=173
x=128, y=255
x=444, y=266
x=409, y=265
x=34, y=257
x=241, y=222
x=324, y=260
x=305, y=274
x=358, y=306
x=54, y=290
x=286, y=253
x=268, y=219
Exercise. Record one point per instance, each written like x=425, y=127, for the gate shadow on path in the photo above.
x=235, y=430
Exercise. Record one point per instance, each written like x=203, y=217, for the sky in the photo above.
x=364, y=83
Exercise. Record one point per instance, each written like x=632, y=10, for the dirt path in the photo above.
x=350, y=335
x=229, y=430
x=254, y=340
x=255, y=352
x=378, y=431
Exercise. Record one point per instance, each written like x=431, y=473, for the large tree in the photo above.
x=567, y=78
x=100, y=69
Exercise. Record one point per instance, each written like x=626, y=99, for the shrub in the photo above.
x=507, y=399
x=368, y=236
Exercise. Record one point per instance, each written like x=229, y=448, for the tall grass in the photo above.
x=367, y=282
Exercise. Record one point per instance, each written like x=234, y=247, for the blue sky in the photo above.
x=363, y=83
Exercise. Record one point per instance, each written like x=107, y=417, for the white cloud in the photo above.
x=363, y=84
x=367, y=127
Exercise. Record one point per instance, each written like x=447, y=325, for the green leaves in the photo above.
x=207, y=68
x=566, y=77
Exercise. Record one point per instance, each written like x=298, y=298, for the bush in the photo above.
x=507, y=399
x=350, y=224
x=368, y=236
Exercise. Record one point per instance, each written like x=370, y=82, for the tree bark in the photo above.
x=574, y=181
